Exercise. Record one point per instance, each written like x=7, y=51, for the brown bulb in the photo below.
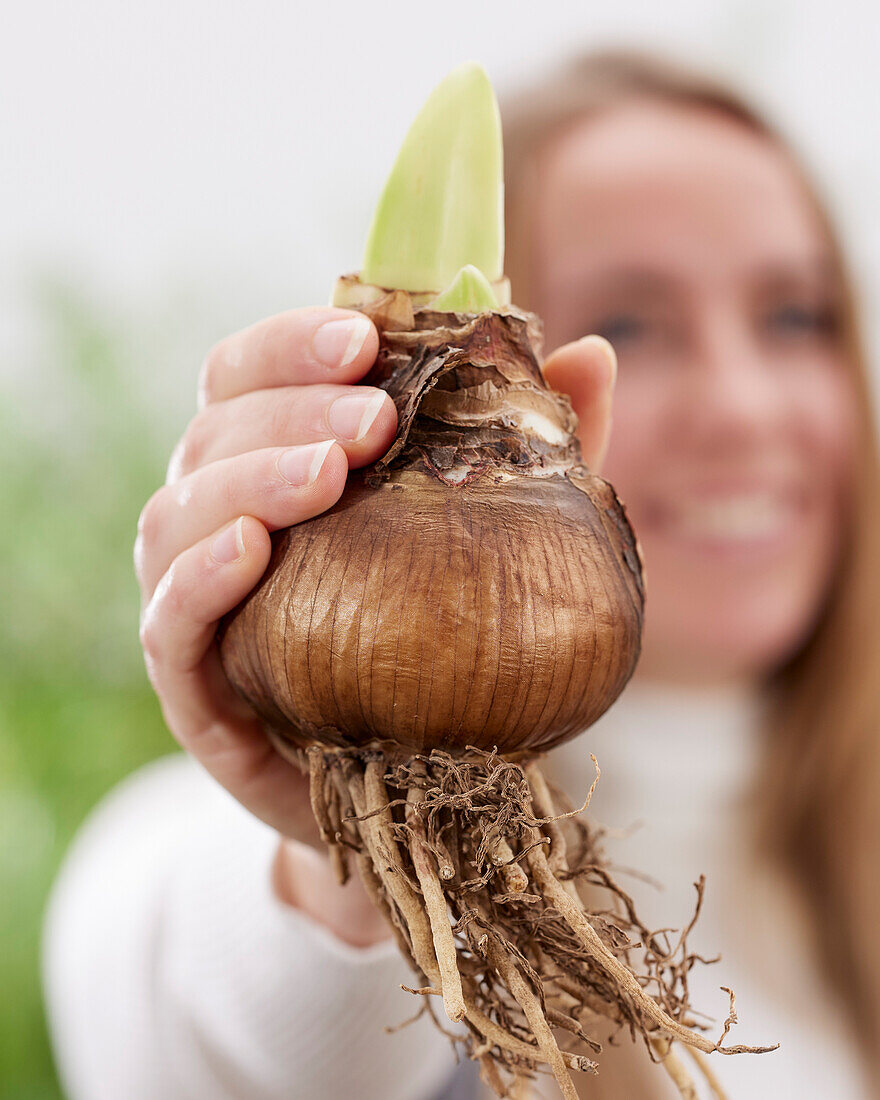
x=478, y=586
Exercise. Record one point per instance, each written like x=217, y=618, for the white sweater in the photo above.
x=173, y=973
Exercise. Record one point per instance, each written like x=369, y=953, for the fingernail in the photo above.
x=351, y=416
x=337, y=343
x=228, y=546
x=301, y=465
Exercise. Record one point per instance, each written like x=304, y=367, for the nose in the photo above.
x=733, y=398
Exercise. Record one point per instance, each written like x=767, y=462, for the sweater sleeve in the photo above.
x=172, y=970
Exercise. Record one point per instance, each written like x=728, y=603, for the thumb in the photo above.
x=586, y=370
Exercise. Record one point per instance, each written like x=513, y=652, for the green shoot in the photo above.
x=469, y=292
x=443, y=204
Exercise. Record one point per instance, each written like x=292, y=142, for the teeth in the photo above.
x=750, y=516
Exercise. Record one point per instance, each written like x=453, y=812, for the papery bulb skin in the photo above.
x=477, y=587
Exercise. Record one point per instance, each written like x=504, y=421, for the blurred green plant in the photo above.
x=80, y=453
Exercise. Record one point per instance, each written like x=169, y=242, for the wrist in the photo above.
x=303, y=878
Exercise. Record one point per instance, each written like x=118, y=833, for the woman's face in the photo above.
x=688, y=242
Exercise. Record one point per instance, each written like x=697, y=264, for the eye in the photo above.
x=797, y=318
x=621, y=328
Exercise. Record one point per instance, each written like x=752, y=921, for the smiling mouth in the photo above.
x=742, y=518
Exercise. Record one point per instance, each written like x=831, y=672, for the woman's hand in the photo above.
x=279, y=424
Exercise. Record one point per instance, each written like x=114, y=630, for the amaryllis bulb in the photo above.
x=479, y=586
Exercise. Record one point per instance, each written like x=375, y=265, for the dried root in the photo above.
x=469, y=860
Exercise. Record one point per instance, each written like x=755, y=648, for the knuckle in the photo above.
x=282, y=422
x=309, y=410
x=190, y=451
x=167, y=604
x=150, y=523
x=299, y=414
x=209, y=372
x=172, y=595
x=151, y=640
x=228, y=491
x=173, y=473
x=336, y=477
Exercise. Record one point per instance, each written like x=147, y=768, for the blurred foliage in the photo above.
x=81, y=450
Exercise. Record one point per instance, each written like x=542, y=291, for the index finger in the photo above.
x=298, y=347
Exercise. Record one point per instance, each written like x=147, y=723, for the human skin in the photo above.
x=689, y=242
x=280, y=423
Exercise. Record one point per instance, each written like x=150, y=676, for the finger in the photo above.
x=362, y=419
x=279, y=486
x=200, y=586
x=298, y=347
x=206, y=716
x=586, y=370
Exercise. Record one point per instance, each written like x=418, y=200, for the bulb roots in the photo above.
x=481, y=878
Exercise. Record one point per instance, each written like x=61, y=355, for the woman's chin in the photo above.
x=733, y=648
x=734, y=631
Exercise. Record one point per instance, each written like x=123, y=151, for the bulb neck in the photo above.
x=470, y=396
x=350, y=293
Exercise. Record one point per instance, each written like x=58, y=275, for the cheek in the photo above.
x=724, y=613
x=824, y=413
x=641, y=411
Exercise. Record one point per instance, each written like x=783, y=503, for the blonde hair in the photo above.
x=818, y=799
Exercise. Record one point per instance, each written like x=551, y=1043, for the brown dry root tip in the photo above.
x=569, y=1023
x=674, y=1067
x=425, y=991
x=739, y=1048
x=571, y=911
x=452, y=842
x=437, y=846
x=438, y=914
x=496, y=1036
x=528, y=1001
x=338, y=854
x=533, y=771
x=702, y=1063
x=339, y=864
x=444, y=860
x=512, y=875
x=317, y=775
